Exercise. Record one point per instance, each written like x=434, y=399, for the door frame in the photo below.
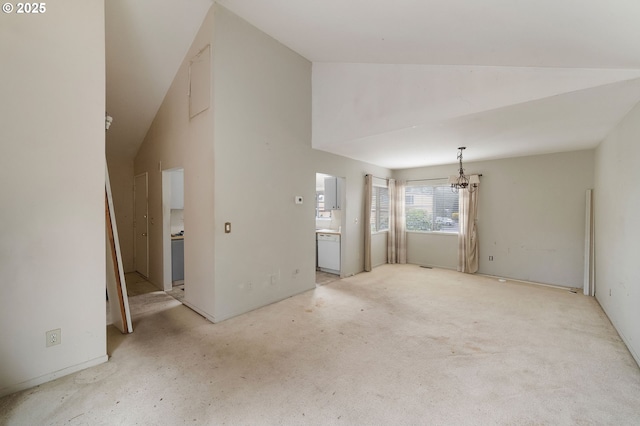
x=135, y=224
x=343, y=216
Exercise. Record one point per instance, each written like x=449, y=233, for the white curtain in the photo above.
x=368, y=189
x=468, y=233
x=397, y=238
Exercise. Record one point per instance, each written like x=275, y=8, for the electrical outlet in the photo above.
x=54, y=337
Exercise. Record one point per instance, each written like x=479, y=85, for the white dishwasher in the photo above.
x=329, y=253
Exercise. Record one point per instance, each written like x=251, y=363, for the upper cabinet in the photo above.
x=333, y=188
x=177, y=190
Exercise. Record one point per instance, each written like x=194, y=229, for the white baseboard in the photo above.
x=198, y=311
x=52, y=376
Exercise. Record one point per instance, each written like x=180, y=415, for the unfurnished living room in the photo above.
x=468, y=168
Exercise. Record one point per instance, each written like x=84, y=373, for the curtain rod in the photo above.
x=438, y=178
x=377, y=177
x=416, y=180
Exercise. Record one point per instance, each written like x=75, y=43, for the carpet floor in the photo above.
x=400, y=345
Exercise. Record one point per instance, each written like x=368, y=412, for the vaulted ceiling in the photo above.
x=404, y=83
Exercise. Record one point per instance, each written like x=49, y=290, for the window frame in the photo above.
x=442, y=229
x=376, y=199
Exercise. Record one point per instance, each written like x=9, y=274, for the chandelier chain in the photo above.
x=462, y=180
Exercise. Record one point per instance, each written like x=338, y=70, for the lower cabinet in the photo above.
x=177, y=260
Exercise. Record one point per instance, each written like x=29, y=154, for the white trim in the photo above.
x=588, y=287
x=559, y=287
x=167, y=283
x=455, y=234
x=220, y=318
x=627, y=342
x=146, y=194
x=382, y=183
x=127, y=326
x=52, y=376
x=208, y=317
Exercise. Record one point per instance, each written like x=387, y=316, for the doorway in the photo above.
x=330, y=235
x=173, y=232
x=141, y=224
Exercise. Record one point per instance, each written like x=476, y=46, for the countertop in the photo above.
x=177, y=237
x=327, y=231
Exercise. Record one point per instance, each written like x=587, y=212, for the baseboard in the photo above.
x=52, y=376
x=198, y=311
x=258, y=306
x=634, y=355
x=432, y=266
x=530, y=282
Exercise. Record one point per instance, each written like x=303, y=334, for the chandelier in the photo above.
x=461, y=181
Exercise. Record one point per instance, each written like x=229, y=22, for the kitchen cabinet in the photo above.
x=177, y=259
x=333, y=188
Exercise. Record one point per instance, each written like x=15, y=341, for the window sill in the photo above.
x=454, y=234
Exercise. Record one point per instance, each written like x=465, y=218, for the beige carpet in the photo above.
x=137, y=284
x=399, y=345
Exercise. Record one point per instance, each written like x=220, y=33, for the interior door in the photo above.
x=141, y=224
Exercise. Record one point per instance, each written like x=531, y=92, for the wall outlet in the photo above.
x=54, y=337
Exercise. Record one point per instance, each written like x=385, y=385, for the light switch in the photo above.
x=227, y=227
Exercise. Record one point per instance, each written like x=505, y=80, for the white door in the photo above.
x=141, y=225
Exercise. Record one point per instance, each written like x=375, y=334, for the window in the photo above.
x=320, y=209
x=379, y=209
x=431, y=208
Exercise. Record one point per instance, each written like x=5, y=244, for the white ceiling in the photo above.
x=403, y=83
x=146, y=41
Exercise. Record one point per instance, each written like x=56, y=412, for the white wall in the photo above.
x=530, y=219
x=616, y=207
x=352, y=213
x=52, y=246
x=379, y=248
x=121, y=176
x=175, y=141
x=438, y=250
x=262, y=126
x=261, y=145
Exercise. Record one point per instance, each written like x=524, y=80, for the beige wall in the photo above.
x=245, y=159
x=52, y=247
x=531, y=218
x=263, y=157
x=379, y=248
x=121, y=176
x=176, y=141
x=616, y=207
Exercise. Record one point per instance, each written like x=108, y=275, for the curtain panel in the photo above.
x=468, y=233
x=397, y=238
